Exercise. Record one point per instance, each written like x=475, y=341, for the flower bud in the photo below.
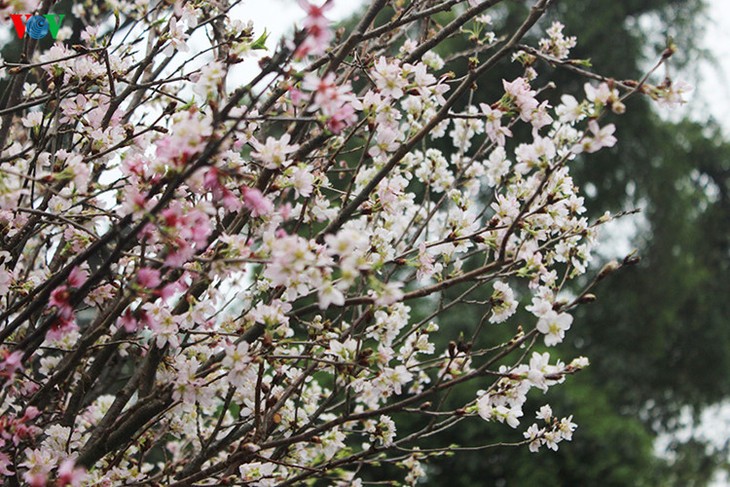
x=607, y=269
x=632, y=258
x=587, y=298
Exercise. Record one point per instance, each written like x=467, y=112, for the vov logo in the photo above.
x=37, y=26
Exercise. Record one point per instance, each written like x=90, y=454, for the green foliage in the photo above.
x=658, y=326
x=657, y=337
x=613, y=450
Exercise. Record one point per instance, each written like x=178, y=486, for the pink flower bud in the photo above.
x=148, y=278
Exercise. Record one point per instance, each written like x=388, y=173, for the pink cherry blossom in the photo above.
x=10, y=363
x=128, y=321
x=60, y=299
x=256, y=202
x=148, y=278
x=261, y=265
x=389, y=78
x=77, y=277
x=4, y=464
x=317, y=29
x=69, y=474
x=273, y=154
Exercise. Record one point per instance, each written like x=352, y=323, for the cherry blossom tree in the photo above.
x=210, y=281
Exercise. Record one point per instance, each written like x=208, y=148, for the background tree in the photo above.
x=118, y=336
x=656, y=329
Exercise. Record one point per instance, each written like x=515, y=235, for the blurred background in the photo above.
x=654, y=406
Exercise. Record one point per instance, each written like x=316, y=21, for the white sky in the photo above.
x=710, y=98
x=712, y=92
x=278, y=16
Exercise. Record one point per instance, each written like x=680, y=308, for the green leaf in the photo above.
x=260, y=43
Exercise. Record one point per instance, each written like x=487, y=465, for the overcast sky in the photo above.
x=712, y=89
x=712, y=95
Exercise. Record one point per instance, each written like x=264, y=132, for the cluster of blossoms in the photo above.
x=505, y=400
x=555, y=430
x=206, y=281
